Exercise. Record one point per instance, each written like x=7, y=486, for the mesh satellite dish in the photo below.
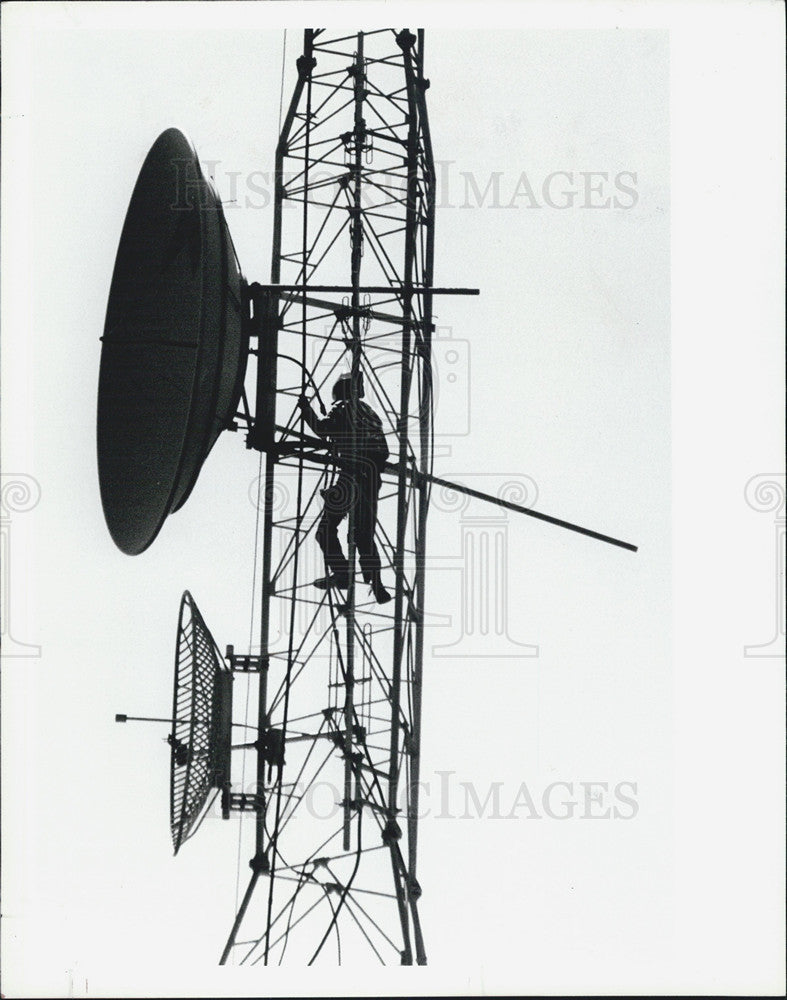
x=175, y=344
x=202, y=723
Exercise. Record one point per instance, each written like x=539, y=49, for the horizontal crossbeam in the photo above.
x=391, y=289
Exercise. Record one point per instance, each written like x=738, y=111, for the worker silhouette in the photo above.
x=356, y=433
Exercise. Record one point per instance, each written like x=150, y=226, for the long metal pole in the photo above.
x=359, y=136
x=425, y=415
x=531, y=513
x=268, y=305
x=305, y=66
x=265, y=320
x=392, y=467
x=405, y=40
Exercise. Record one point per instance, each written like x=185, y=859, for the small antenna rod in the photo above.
x=119, y=717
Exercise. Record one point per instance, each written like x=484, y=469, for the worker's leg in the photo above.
x=337, y=504
x=366, y=522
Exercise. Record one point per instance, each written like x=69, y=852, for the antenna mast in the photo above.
x=354, y=216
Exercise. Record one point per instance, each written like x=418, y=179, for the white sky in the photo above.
x=628, y=361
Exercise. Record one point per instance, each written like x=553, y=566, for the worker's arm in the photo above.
x=325, y=426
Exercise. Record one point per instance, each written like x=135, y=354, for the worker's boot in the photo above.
x=379, y=592
x=340, y=580
x=338, y=575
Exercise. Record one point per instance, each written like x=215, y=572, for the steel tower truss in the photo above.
x=338, y=677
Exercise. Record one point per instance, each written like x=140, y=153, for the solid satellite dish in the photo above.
x=175, y=344
x=202, y=723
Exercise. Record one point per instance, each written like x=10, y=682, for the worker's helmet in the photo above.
x=342, y=387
